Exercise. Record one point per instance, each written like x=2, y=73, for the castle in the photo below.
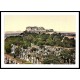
x=38, y=30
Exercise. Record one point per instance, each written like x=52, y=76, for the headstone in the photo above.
x=13, y=49
x=32, y=60
x=37, y=61
x=27, y=59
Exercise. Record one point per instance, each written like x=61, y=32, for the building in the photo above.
x=38, y=30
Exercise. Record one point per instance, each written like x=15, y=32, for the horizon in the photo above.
x=55, y=31
x=43, y=27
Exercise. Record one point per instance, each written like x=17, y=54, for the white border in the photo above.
x=39, y=13
x=76, y=65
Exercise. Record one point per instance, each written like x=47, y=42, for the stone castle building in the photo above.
x=36, y=29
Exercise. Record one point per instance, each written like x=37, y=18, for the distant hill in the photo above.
x=9, y=32
x=65, y=32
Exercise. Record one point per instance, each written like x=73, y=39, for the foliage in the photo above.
x=7, y=48
x=65, y=57
x=51, y=59
x=39, y=39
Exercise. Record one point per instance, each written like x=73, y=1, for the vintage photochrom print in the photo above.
x=39, y=40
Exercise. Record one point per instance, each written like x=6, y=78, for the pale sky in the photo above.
x=65, y=23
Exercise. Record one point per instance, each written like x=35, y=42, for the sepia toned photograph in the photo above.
x=40, y=39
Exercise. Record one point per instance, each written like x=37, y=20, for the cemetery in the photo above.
x=33, y=46
x=34, y=54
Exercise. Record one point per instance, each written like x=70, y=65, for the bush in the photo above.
x=8, y=48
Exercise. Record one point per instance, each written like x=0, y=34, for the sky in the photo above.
x=64, y=23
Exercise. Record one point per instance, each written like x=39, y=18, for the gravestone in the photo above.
x=13, y=49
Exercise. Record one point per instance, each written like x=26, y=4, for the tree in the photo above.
x=29, y=38
x=51, y=59
x=33, y=49
x=8, y=48
x=17, y=52
x=68, y=56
